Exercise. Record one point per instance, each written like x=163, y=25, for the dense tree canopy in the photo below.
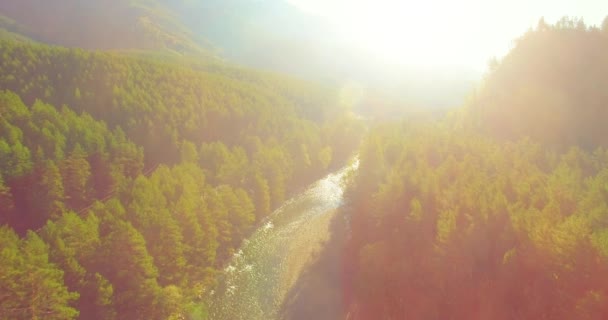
x=499, y=211
x=448, y=224
x=141, y=176
x=550, y=87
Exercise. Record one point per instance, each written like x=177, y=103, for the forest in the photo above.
x=499, y=210
x=127, y=181
x=129, y=178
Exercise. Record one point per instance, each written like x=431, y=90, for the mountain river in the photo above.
x=262, y=273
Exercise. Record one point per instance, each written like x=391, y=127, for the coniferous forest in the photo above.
x=131, y=176
x=500, y=209
x=126, y=182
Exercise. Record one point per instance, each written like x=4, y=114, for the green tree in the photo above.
x=50, y=196
x=188, y=152
x=7, y=205
x=124, y=260
x=76, y=173
x=20, y=160
x=32, y=287
x=240, y=212
x=163, y=236
x=74, y=243
x=261, y=194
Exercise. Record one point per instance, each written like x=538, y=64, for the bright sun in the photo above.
x=439, y=33
x=429, y=33
x=408, y=34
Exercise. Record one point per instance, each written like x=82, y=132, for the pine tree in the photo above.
x=76, y=173
x=50, y=194
x=74, y=244
x=261, y=194
x=125, y=262
x=7, y=205
x=32, y=288
x=188, y=152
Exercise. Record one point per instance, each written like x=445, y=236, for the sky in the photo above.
x=440, y=33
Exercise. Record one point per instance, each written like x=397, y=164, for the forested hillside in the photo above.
x=499, y=211
x=112, y=24
x=550, y=87
x=127, y=181
x=278, y=35
x=243, y=31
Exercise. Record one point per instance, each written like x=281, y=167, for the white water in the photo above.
x=252, y=286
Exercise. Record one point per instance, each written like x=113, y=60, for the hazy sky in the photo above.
x=458, y=33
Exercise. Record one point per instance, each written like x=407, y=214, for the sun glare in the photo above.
x=439, y=33
x=406, y=33
x=434, y=33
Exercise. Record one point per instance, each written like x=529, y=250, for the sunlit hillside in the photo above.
x=498, y=211
x=274, y=159
x=168, y=166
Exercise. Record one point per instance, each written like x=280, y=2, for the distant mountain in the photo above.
x=265, y=34
x=269, y=34
x=111, y=24
x=274, y=34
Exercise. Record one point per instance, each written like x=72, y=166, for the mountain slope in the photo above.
x=550, y=87
x=269, y=34
x=499, y=211
x=110, y=24
x=265, y=34
x=141, y=176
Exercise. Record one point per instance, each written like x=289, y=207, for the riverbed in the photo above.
x=276, y=271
